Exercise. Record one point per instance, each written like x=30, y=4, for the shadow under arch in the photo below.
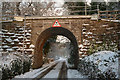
x=53, y=31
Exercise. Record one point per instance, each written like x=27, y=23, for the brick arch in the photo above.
x=53, y=31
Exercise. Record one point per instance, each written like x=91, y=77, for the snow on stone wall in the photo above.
x=12, y=40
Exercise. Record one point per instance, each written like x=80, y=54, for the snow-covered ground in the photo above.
x=106, y=60
x=72, y=73
x=54, y=73
x=34, y=73
x=31, y=74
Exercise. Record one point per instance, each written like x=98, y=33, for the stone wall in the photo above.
x=85, y=30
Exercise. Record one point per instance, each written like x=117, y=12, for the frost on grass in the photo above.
x=102, y=64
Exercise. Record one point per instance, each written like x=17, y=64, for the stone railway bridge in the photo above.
x=73, y=27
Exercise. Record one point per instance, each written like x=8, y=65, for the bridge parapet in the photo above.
x=84, y=29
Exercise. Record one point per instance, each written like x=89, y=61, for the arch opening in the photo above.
x=57, y=48
x=45, y=35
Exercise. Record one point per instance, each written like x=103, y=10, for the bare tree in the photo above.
x=31, y=8
x=8, y=10
x=17, y=8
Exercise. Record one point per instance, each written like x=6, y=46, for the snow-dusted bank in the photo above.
x=12, y=64
x=103, y=64
x=72, y=73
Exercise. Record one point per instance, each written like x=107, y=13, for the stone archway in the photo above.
x=53, y=31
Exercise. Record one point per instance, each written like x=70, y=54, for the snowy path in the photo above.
x=54, y=73
x=57, y=69
x=37, y=72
